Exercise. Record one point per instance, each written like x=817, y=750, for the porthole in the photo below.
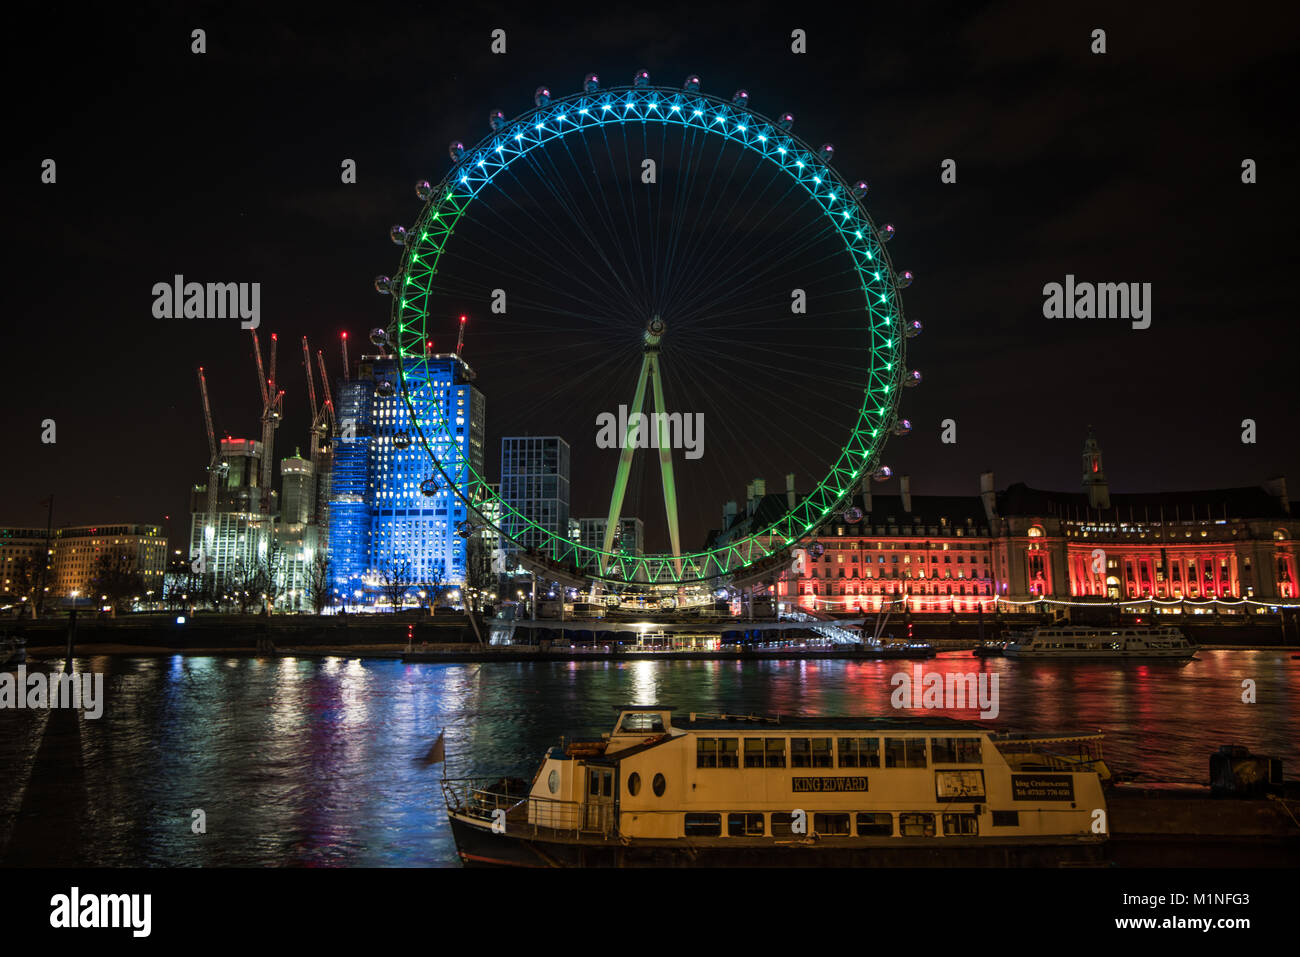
x=658, y=784
x=633, y=784
x=553, y=780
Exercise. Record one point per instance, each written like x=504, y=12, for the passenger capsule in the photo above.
x=379, y=336
x=456, y=149
x=401, y=440
x=429, y=487
x=740, y=98
x=852, y=515
x=542, y=96
x=590, y=83
x=826, y=152
x=424, y=191
x=786, y=121
x=902, y=427
x=641, y=78
x=882, y=473
x=904, y=279
x=692, y=84
x=385, y=389
x=398, y=235
x=860, y=188
x=496, y=120
x=817, y=550
x=912, y=329
x=382, y=285
x=886, y=232
x=913, y=378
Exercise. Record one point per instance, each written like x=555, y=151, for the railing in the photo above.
x=1026, y=754
x=833, y=632
x=482, y=798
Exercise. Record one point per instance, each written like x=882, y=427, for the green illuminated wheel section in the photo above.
x=670, y=232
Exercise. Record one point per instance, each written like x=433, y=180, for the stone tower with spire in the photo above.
x=1094, y=475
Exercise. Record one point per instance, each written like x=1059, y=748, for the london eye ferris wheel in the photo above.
x=643, y=249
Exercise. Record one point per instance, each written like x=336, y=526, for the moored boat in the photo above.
x=745, y=790
x=1087, y=643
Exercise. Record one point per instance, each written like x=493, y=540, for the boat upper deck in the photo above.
x=736, y=722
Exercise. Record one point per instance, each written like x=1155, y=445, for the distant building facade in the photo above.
x=590, y=532
x=237, y=537
x=1009, y=549
x=24, y=552
x=391, y=516
x=535, y=482
x=77, y=551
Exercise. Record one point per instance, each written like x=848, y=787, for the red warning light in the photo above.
x=345, y=335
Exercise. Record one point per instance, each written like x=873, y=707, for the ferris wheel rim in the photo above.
x=641, y=104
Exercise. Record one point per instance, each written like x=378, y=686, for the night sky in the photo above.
x=1122, y=167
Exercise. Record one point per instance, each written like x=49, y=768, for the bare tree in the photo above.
x=117, y=579
x=243, y=583
x=24, y=580
x=271, y=572
x=319, y=592
x=396, y=581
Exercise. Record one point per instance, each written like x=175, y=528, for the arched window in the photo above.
x=1035, y=531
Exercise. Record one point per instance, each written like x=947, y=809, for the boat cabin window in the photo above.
x=1006, y=818
x=600, y=782
x=717, y=752
x=875, y=825
x=745, y=825
x=831, y=825
x=783, y=824
x=775, y=752
x=703, y=825
x=916, y=825
x=904, y=752
x=960, y=824
x=810, y=753
x=955, y=750
x=641, y=722
x=859, y=752
x=753, y=752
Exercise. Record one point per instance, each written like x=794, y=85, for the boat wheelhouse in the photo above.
x=719, y=789
x=1081, y=642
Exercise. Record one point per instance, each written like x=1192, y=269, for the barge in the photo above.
x=746, y=790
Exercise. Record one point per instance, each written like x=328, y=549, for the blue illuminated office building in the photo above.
x=381, y=518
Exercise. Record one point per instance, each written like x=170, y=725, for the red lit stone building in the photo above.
x=1006, y=550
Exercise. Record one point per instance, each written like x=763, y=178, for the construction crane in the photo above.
x=460, y=337
x=215, y=466
x=327, y=407
x=311, y=399
x=272, y=408
x=345, y=359
x=315, y=437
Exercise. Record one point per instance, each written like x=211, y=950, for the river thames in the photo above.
x=315, y=762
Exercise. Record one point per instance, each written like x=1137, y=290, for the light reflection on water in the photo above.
x=312, y=762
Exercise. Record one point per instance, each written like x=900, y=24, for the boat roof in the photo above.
x=733, y=722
